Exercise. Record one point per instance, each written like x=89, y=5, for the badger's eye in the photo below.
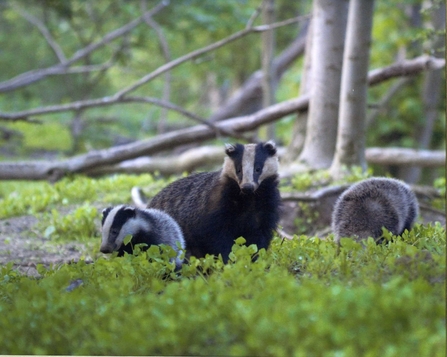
x=238, y=170
x=114, y=231
x=258, y=169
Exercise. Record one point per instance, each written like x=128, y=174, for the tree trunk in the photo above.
x=350, y=150
x=299, y=126
x=329, y=25
x=430, y=99
x=267, y=56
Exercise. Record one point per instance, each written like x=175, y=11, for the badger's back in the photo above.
x=366, y=207
x=215, y=208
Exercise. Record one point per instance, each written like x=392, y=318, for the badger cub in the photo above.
x=150, y=226
x=367, y=206
x=215, y=208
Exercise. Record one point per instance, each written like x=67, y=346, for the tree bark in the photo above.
x=268, y=78
x=329, y=24
x=350, y=149
x=431, y=94
x=299, y=126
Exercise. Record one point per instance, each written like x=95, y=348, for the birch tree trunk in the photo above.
x=350, y=148
x=268, y=79
x=329, y=25
x=431, y=94
x=299, y=126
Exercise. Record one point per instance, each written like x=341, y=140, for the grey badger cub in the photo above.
x=150, y=226
x=367, y=206
x=215, y=208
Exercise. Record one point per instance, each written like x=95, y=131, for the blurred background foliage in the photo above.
x=401, y=29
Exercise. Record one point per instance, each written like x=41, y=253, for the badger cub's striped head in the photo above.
x=250, y=164
x=118, y=222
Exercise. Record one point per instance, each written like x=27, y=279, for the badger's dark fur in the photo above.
x=215, y=208
x=150, y=226
x=363, y=209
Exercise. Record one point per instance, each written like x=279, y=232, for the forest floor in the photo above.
x=22, y=243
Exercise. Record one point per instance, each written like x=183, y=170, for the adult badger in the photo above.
x=367, y=206
x=215, y=208
x=150, y=226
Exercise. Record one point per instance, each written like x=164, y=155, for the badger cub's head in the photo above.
x=250, y=164
x=117, y=223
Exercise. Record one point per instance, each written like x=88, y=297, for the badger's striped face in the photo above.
x=250, y=164
x=117, y=223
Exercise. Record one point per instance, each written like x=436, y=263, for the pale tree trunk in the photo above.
x=299, y=126
x=431, y=94
x=267, y=56
x=329, y=25
x=350, y=148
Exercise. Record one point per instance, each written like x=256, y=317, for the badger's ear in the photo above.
x=129, y=211
x=105, y=213
x=270, y=146
x=230, y=149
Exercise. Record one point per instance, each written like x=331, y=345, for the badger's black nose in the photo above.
x=106, y=249
x=247, y=188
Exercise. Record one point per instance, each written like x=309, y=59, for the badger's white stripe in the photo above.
x=108, y=224
x=270, y=168
x=248, y=161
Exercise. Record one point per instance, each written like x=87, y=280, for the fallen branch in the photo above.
x=54, y=170
x=405, y=157
x=106, y=161
x=186, y=162
x=212, y=155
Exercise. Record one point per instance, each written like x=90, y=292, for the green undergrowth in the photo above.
x=302, y=297
x=19, y=198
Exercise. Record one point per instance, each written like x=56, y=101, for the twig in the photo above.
x=167, y=56
x=405, y=68
x=36, y=75
x=253, y=17
x=186, y=113
x=118, y=97
x=43, y=30
x=201, y=51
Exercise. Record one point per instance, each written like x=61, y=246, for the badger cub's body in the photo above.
x=363, y=209
x=215, y=208
x=149, y=226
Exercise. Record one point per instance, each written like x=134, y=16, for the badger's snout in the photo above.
x=106, y=248
x=248, y=188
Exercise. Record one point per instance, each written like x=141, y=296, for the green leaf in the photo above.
x=127, y=239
